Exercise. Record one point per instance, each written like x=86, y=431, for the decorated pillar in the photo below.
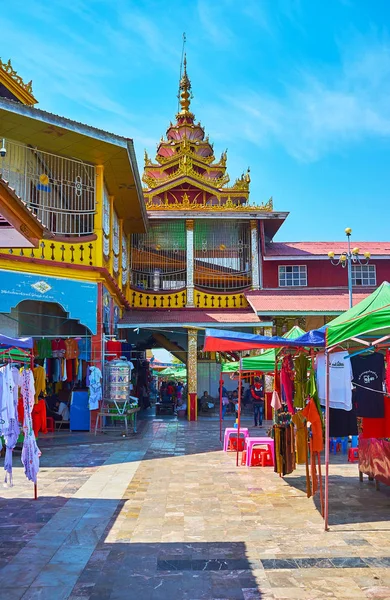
x=190, y=262
x=255, y=256
x=192, y=372
x=257, y=331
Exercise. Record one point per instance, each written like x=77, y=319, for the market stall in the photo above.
x=365, y=331
x=17, y=401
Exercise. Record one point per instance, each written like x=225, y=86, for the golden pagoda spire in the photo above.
x=185, y=90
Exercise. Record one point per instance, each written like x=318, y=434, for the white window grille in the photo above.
x=158, y=258
x=60, y=191
x=364, y=275
x=291, y=276
x=222, y=253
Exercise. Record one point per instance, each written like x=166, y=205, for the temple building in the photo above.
x=209, y=258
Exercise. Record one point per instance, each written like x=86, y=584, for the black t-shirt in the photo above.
x=368, y=375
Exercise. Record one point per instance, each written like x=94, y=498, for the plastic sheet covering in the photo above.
x=374, y=459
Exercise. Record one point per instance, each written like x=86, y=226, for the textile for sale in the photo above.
x=287, y=381
x=84, y=348
x=342, y=422
x=340, y=378
x=95, y=387
x=377, y=428
x=72, y=348
x=312, y=415
x=9, y=402
x=39, y=375
x=39, y=417
x=58, y=348
x=30, y=450
x=368, y=377
x=301, y=366
x=43, y=348
x=284, y=446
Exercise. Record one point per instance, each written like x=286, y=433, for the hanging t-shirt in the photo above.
x=368, y=375
x=342, y=422
x=340, y=376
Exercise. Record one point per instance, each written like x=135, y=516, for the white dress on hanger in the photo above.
x=95, y=387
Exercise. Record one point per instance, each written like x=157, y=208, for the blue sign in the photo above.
x=77, y=298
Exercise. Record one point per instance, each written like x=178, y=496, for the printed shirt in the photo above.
x=368, y=377
x=340, y=377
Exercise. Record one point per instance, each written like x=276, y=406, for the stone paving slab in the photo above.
x=167, y=515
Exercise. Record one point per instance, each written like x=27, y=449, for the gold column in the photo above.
x=111, y=263
x=192, y=374
x=268, y=331
x=98, y=227
x=256, y=351
x=121, y=233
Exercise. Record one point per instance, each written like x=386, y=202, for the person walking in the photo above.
x=257, y=395
x=225, y=400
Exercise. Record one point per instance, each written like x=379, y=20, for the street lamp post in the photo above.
x=347, y=258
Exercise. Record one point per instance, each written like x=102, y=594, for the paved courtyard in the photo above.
x=167, y=515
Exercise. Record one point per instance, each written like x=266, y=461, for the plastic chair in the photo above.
x=233, y=442
x=344, y=444
x=353, y=455
x=243, y=457
x=50, y=426
x=261, y=456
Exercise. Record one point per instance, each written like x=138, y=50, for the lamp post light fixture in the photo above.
x=347, y=258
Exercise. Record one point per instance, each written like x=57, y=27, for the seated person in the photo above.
x=60, y=411
x=206, y=400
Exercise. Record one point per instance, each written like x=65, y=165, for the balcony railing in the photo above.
x=60, y=191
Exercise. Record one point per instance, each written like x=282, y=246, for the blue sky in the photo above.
x=298, y=90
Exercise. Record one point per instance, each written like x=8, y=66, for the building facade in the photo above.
x=81, y=189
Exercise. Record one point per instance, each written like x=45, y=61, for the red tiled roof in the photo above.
x=188, y=316
x=303, y=300
x=305, y=249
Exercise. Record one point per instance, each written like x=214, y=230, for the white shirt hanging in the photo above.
x=340, y=378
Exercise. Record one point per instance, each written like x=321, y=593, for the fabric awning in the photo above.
x=219, y=340
x=9, y=342
x=370, y=319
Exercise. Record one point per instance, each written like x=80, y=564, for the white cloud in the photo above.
x=322, y=111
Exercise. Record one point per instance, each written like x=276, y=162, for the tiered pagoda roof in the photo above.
x=186, y=174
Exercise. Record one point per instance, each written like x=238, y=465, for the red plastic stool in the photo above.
x=353, y=455
x=233, y=443
x=50, y=426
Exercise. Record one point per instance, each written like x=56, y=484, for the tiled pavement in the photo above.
x=167, y=515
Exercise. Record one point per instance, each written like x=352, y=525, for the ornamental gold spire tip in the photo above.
x=185, y=90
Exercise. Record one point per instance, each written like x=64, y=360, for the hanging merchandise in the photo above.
x=39, y=419
x=43, y=348
x=340, y=377
x=58, y=348
x=312, y=415
x=113, y=349
x=275, y=402
x=284, y=445
x=39, y=375
x=287, y=381
x=9, y=426
x=342, y=422
x=368, y=376
x=72, y=349
x=30, y=451
x=95, y=387
x=301, y=365
x=84, y=345
x=377, y=428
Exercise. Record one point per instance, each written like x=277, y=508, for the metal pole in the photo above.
x=239, y=408
x=220, y=406
x=349, y=260
x=326, y=511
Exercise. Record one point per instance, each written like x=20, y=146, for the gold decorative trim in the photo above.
x=222, y=206
x=178, y=299
x=15, y=84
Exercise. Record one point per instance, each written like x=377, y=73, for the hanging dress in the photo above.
x=30, y=451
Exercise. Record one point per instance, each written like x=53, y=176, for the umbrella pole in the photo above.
x=239, y=409
x=220, y=406
x=326, y=511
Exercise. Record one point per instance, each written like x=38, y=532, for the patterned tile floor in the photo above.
x=166, y=515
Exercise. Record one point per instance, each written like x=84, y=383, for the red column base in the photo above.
x=192, y=412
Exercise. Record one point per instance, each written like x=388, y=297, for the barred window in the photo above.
x=159, y=258
x=294, y=275
x=59, y=191
x=222, y=255
x=364, y=275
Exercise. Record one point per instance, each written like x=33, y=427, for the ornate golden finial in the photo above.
x=147, y=159
x=185, y=90
x=18, y=83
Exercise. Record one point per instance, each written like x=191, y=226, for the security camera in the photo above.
x=3, y=150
